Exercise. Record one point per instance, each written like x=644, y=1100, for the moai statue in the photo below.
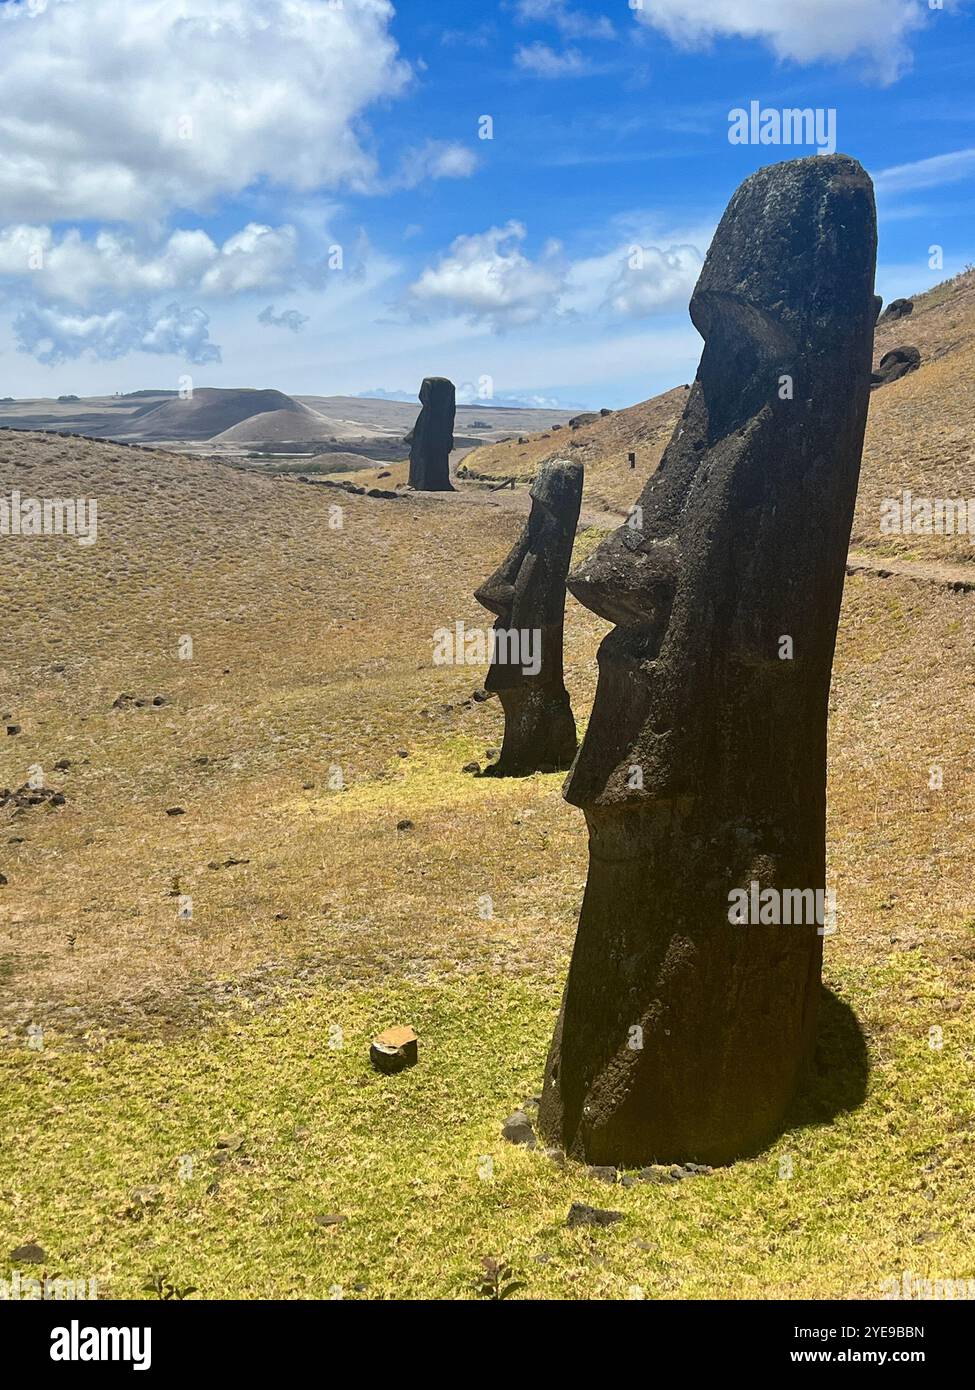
x=527, y=593
x=432, y=437
x=684, y=1029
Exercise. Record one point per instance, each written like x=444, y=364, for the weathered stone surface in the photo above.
x=897, y=309
x=683, y=1036
x=582, y=1215
x=895, y=364
x=517, y=1129
x=432, y=437
x=527, y=594
x=394, y=1049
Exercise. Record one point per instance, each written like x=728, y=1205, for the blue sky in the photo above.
x=298, y=194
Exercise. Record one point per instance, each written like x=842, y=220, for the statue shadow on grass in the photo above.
x=837, y=1075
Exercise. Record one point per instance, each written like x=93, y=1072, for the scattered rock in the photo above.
x=27, y=796
x=479, y=696
x=13, y=729
x=233, y=1142
x=517, y=1129
x=404, y=825
x=402, y=752
x=471, y=767
x=585, y=419
x=394, y=1049
x=62, y=765
x=582, y=1215
x=29, y=1254
x=656, y=1175
x=146, y=1197
x=603, y=1173
x=175, y=811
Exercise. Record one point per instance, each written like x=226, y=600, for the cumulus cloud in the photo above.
x=53, y=336
x=290, y=318
x=76, y=270
x=546, y=62
x=805, y=31
x=487, y=278
x=651, y=280
x=152, y=106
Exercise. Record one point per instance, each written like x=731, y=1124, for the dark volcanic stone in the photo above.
x=897, y=309
x=703, y=768
x=30, y=1254
x=432, y=437
x=527, y=593
x=895, y=364
x=581, y=1215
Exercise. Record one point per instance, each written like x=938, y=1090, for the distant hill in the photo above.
x=208, y=412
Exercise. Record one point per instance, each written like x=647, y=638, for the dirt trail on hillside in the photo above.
x=961, y=578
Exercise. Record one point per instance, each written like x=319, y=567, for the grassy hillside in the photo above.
x=203, y=1100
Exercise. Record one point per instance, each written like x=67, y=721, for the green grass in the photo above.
x=403, y=1159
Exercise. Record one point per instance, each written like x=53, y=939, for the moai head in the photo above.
x=703, y=768
x=527, y=595
x=735, y=540
x=433, y=436
x=527, y=591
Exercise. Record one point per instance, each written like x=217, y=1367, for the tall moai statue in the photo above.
x=688, y=1016
x=432, y=437
x=527, y=595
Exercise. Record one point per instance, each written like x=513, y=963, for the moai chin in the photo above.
x=527, y=595
x=703, y=769
x=433, y=436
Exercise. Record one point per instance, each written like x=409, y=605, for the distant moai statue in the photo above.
x=432, y=437
x=527, y=594
x=742, y=536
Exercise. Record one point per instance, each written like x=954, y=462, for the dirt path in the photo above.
x=961, y=578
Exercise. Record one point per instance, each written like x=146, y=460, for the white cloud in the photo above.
x=437, y=159
x=651, y=280
x=573, y=24
x=256, y=258
x=77, y=271
x=805, y=31
x=488, y=278
x=545, y=62
x=926, y=173
x=152, y=105
x=53, y=336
